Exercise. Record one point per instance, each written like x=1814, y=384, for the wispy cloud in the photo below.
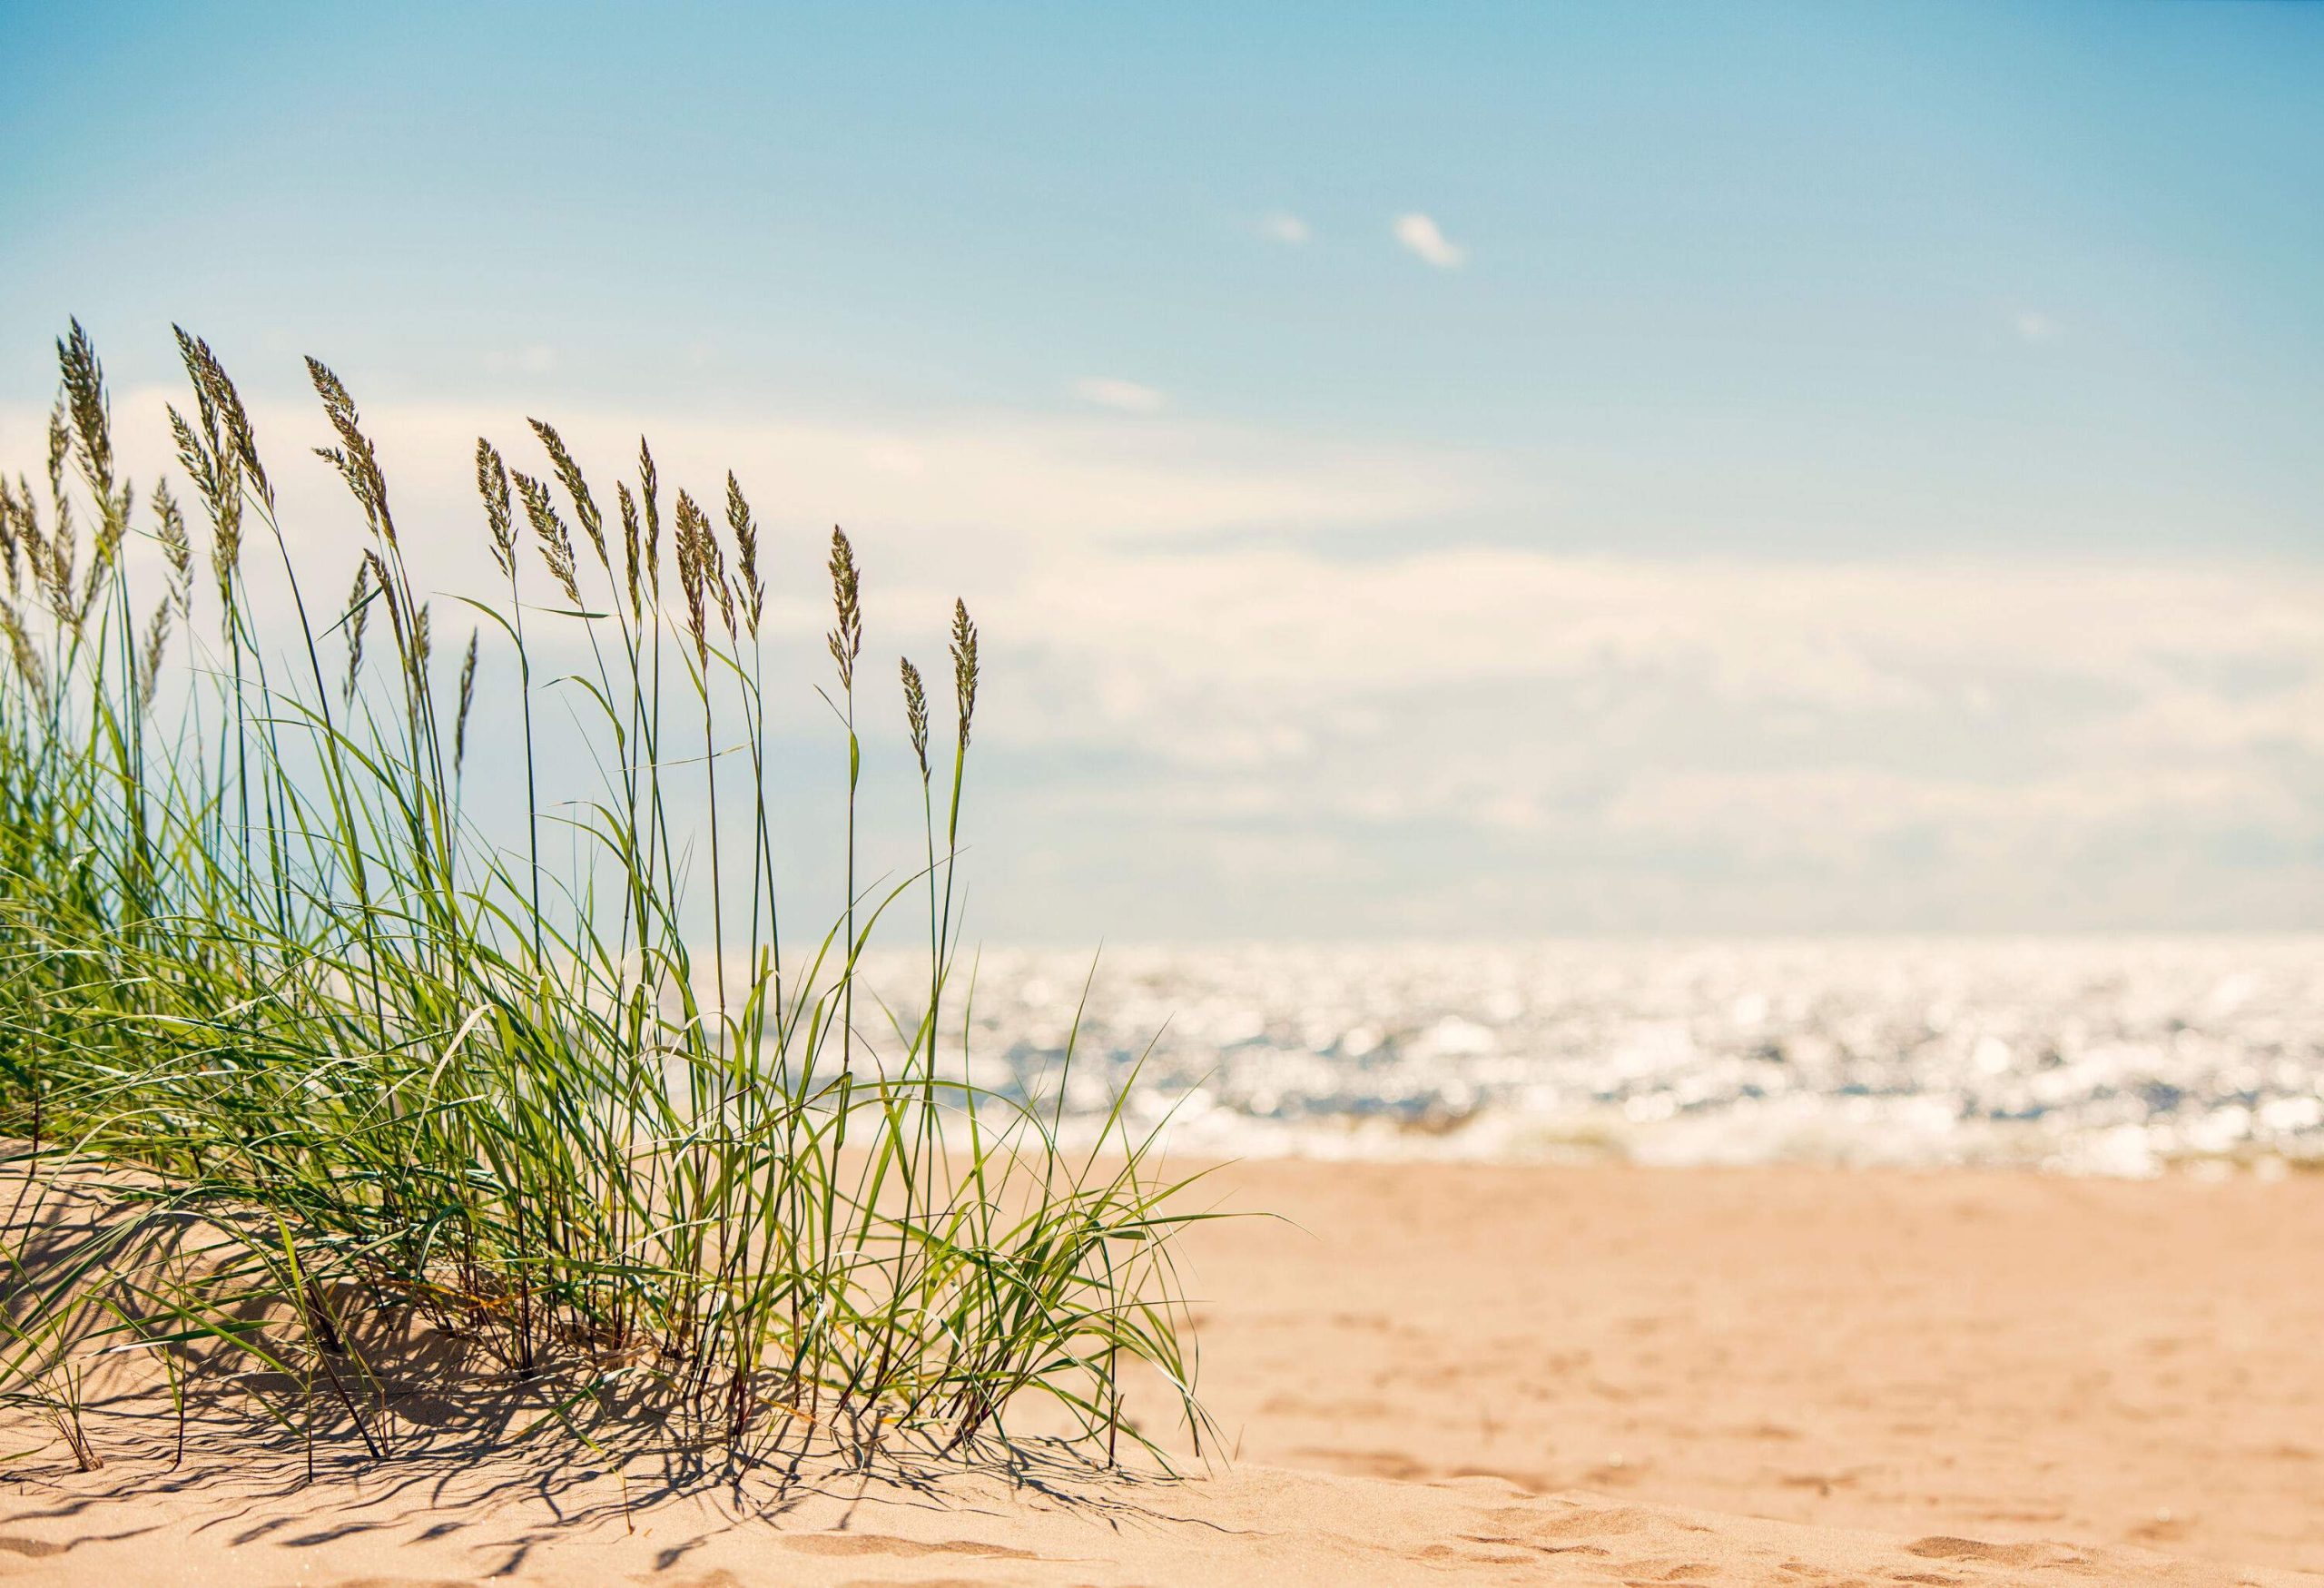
x=2034, y=326
x=1286, y=228
x=1016, y=478
x=1422, y=236
x=1121, y=396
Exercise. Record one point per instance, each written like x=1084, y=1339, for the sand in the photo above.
x=1429, y=1373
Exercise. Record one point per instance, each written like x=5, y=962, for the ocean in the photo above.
x=2119, y=1056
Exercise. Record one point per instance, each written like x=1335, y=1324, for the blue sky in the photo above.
x=1428, y=469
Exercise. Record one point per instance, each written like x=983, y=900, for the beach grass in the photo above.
x=347, y=1062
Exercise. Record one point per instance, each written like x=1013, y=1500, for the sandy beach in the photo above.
x=1097, y=796
x=1434, y=1372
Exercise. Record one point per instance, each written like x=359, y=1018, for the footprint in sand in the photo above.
x=2001, y=1554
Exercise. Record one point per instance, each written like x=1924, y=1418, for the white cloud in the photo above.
x=1421, y=235
x=1017, y=482
x=1721, y=744
x=1616, y=740
x=2034, y=326
x=1852, y=641
x=1284, y=228
x=1122, y=396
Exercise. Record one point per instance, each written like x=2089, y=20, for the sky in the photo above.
x=1422, y=471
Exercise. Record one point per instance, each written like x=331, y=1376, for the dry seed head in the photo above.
x=650, y=498
x=149, y=665
x=195, y=355
x=84, y=392
x=629, y=546
x=556, y=541
x=568, y=475
x=964, y=668
x=177, y=546
x=386, y=587
x=11, y=546
x=847, y=632
x=746, y=542
x=492, y=484
x=693, y=547
x=468, y=699
x=226, y=559
x=220, y=400
x=59, y=447
x=353, y=456
x=102, y=554
x=719, y=585
x=421, y=643
x=112, y=529
x=217, y=475
x=217, y=479
x=32, y=544
x=194, y=455
x=56, y=579
x=916, y=714
x=83, y=379
x=21, y=646
x=358, y=613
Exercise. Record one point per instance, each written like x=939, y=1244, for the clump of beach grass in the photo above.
x=366, y=1064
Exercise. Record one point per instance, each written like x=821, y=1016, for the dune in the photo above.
x=1434, y=1373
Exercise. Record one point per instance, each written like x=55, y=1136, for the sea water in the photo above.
x=2117, y=1055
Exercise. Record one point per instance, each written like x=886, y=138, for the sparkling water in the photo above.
x=2120, y=1055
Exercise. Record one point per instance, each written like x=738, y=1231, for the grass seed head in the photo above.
x=568, y=475
x=194, y=354
x=11, y=546
x=358, y=613
x=357, y=463
x=217, y=475
x=492, y=484
x=56, y=577
x=915, y=714
x=847, y=630
x=26, y=655
x=629, y=543
x=746, y=544
x=650, y=498
x=149, y=663
x=84, y=394
x=468, y=699
x=556, y=541
x=222, y=405
x=964, y=668
x=177, y=546
x=31, y=545
x=719, y=583
x=387, y=594
x=60, y=447
x=693, y=548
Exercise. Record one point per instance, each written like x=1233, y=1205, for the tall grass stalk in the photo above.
x=253, y=952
